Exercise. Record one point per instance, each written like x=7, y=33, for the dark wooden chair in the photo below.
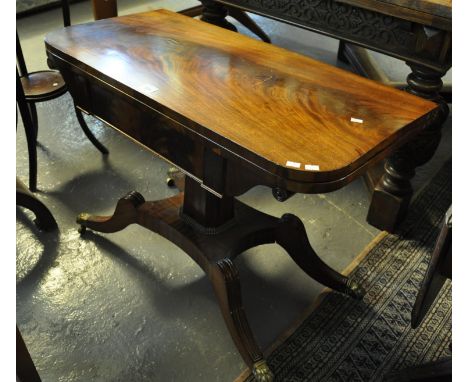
x=45, y=85
x=438, y=271
x=24, y=198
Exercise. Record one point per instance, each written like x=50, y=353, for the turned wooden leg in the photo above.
x=125, y=214
x=292, y=236
x=393, y=193
x=225, y=279
x=89, y=133
x=215, y=14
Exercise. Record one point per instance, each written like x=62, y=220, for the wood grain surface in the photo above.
x=258, y=101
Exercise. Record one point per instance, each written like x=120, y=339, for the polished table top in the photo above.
x=283, y=112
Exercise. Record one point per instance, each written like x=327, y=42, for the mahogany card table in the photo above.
x=231, y=113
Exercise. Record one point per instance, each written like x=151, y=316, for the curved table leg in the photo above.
x=214, y=252
x=44, y=219
x=292, y=236
x=224, y=277
x=125, y=214
x=29, y=130
x=89, y=133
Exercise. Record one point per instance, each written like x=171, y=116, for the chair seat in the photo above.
x=43, y=85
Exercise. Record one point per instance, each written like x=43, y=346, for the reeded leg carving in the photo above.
x=393, y=193
x=215, y=14
x=292, y=236
x=225, y=279
x=89, y=133
x=124, y=215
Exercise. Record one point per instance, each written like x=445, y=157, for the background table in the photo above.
x=418, y=32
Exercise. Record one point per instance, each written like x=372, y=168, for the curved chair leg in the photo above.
x=29, y=130
x=125, y=214
x=292, y=236
x=32, y=151
x=224, y=277
x=89, y=134
x=44, y=219
x=33, y=111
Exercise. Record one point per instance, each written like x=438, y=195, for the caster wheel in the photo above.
x=170, y=182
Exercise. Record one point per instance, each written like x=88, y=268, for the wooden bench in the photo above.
x=232, y=113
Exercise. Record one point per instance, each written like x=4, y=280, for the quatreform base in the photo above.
x=215, y=248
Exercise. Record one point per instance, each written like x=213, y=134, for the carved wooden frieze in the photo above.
x=400, y=38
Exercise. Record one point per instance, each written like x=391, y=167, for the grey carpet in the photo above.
x=347, y=340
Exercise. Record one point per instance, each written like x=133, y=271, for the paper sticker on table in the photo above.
x=293, y=164
x=356, y=120
x=148, y=88
x=312, y=167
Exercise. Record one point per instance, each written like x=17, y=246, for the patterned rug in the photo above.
x=347, y=340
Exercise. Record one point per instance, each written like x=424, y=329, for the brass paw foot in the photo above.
x=83, y=217
x=262, y=372
x=354, y=290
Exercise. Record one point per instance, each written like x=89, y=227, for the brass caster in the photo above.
x=172, y=173
x=170, y=182
x=354, y=290
x=262, y=372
